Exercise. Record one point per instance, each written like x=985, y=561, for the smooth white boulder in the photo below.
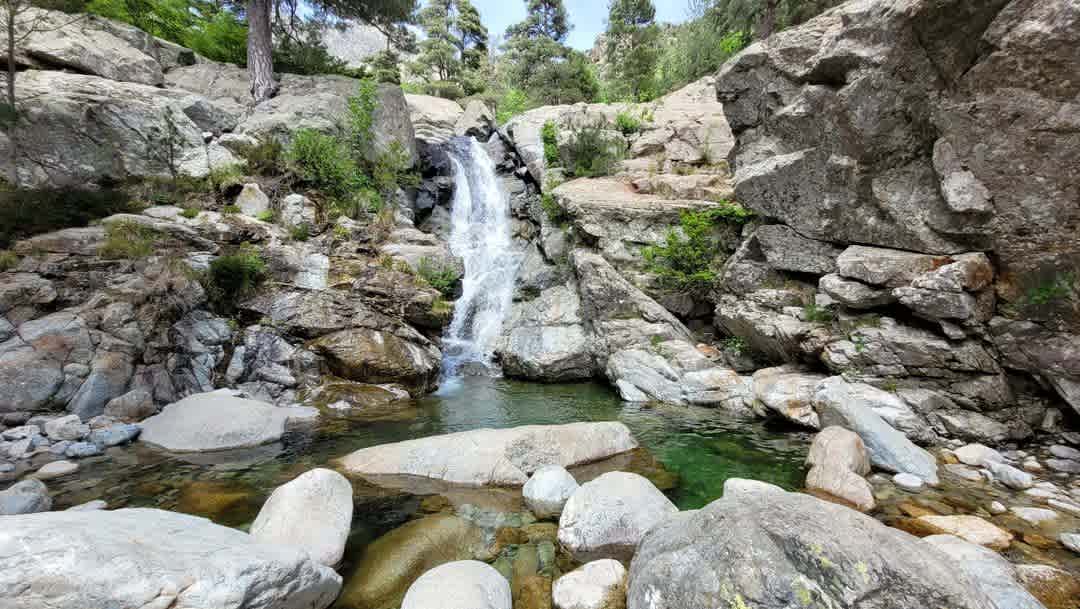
x=217, y=420
x=313, y=512
x=995, y=576
x=56, y=469
x=548, y=490
x=493, y=457
x=596, y=585
x=607, y=516
x=151, y=559
x=463, y=584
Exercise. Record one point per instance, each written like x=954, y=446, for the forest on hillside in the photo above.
x=443, y=48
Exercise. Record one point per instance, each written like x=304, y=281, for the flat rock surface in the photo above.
x=214, y=421
x=493, y=457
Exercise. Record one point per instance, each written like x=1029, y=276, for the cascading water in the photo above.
x=480, y=236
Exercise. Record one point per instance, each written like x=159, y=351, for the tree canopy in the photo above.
x=632, y=48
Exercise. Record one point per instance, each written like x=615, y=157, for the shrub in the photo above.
x=300, y=232
x=553, y=210
x=730, y=212
x=360, y=117
x=189, y=212
x=440, y=276
x=684, y=261
x=226, y=177
x=8, y=260
x=1051, y=290
x=734, y=345
x=341, y=233
x=234, y=276
x=28, y=212
x=821, y=315
x=591, y=152
x=627, y=124
x=266, y=157
x=128, y=240
x=445, y=89
x=322, y=161
x=512, y=103
x=229, y=210
x=549, y=135
x=391, y=171
x=266, y=216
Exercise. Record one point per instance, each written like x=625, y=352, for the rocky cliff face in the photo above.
x=935, y=142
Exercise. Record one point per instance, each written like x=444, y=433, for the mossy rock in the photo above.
x=225, y=502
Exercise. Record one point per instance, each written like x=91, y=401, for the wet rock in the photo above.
x=837, y=404
x=167, y=558
x=747, y=548
x=478, y=121
x=56, y=469
x=970, y=528
x=1034, y=516
x=1067, y=466
x=607, y=516
x=978, y=455
x=495, y=457
x=789, y=392
x=548, y=490
x=115, y=435
x=96, y=504
x=1065, y=452
x=217, y=420
x=313, y=513
x=25, y=497
x=371, y=356
x=1053, y=587
x=465, y=584
x=1010, y=476
x=838, y=463
x=133, y=406
x=995, y=575
x=82, y=450
x=600, y=584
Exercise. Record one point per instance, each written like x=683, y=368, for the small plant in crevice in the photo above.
x=685, y=260
x=265, y=216
x=549, y=136
x=442, y=277
x=189, y=212
x=128, y=240
x=554, y=212
x=627, y=124
x=266, y=157
x=300, y=232
x=817, y=314
x=1051, y=290
x=8, y=260
x=230, y=210
x=591, y=152
x=234, y=276
x=734, y=345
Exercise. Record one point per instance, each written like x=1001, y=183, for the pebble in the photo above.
x=1010, y=476
x=978, y=455
x=964, y=471
x=997, y=508
x=59, y=448
x=1032, y=465
x=908, y=482
x=1064, y=452
x=81, y=450
x=115, y=435
x=23, y=431
x=70, y=427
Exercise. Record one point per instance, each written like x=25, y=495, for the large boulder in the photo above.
x=995, y=575
x=26, y=497
x=548, y=490
x=545, y=338
x=759, y=546
x=465, y=584
x=151, y=558
x=217, y=420
x=838, y=462
x=600, y=584
x=889, y=449
x=433, y=118
x=313, y=513
x=372, y=356
x=493, y=457
x=608, y=516
x=788, y=392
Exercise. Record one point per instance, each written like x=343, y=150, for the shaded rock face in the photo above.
x=747, y=549
x=147, y=558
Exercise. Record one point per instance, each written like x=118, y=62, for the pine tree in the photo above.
x=455, y=47
x=632, y=48
x=538, y=61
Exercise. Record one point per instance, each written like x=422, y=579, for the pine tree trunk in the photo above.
x=260, y=48
x=768, y=19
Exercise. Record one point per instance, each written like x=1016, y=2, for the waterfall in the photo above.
x=480, y=236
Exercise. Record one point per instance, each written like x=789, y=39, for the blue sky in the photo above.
x=587, y=16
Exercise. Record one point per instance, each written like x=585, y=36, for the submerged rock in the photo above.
x=493, y=457
x=151, y=558
x=607, y=517
x=759, y=546
x=313, y=512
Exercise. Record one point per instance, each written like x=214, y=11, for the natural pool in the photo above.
x=702, y=447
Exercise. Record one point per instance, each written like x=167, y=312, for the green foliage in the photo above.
x=322, y=161
x=190, y=213
x=300, y=232
x=537, y=60
x=553, y=210
x=360, y=117
x=510, y=104
x=549, y=135
x=590, y=152
x=632, y=49
x=627, y=124
x=205, y=27
x=8, y=260
x=230, y=210
x=383, y=67
x=221, y=37
x=753, y=16
x=390, y=171
x=341, y=233
x=440, y=306
x=730, y=212
x=265, y=158
x=265, y=216
x=440, y=276
x=734, y=345
x=822, y=315
x=1056, y=288
x=696, y=49
x=300, y=50
x=685, y=260
x=128, y=240
x=234, y=276
x=28, y=212
x=444, y=89
x=225, y=177
x=454, y=49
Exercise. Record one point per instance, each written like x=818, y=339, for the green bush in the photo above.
x=553, y=210
x=549, y=135
x=265, y=216
x=234, y=276
x=822, y=315
x=222, y=37
x=230, y=210
x=1056, y=288
x=300, y=232
x=225, y=178
x=445, y=89
x=189, y=212
x=322, y=161
x=591, y=152
x=730, y=212
x=685, y=260
x=265, y=158
x=627, y=123
x=128, y=240
x=8, y=260
x=734, y=345
x=28, y=212
x=512, y=103
x=440, y=276
x=360, y=117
